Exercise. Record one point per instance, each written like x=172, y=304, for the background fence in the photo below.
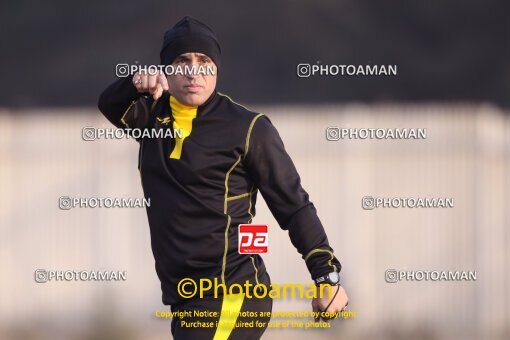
x=466, y=155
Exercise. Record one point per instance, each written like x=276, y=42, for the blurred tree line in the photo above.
x=63, y=53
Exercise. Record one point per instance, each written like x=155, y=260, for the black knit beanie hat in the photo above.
x=190, y=35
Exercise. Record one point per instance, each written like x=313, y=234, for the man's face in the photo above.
x=192, y=90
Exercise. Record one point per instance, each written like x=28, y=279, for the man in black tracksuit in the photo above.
x=203, y=184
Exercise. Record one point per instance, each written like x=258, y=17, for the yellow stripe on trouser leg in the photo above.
x=229, y=310
x=183, y=120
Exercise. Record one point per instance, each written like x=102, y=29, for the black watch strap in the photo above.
x=332, y=278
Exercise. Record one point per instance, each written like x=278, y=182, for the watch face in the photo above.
x=334, y=277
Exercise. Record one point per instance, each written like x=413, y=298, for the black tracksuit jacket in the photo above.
x=198, y=201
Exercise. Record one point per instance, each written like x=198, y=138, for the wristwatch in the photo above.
x=332, y=278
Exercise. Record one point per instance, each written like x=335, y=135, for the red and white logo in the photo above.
x=253, y=238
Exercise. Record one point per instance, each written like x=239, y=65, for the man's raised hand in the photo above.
x=154, y=84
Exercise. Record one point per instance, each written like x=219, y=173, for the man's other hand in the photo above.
x=337, y=301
